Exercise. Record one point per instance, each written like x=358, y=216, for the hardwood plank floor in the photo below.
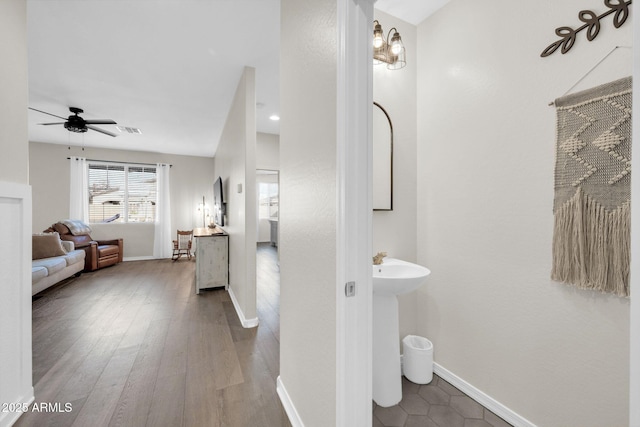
x=132, y=345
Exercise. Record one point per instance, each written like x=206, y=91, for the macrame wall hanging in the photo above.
x=591, y=236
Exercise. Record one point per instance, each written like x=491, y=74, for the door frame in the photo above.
x=354, y=213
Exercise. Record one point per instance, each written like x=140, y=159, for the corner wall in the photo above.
x=15, y=211
x=556, y=355
x=235, y=162
x=14, y=162
x=267, y=151
x=308, y=199
x=394, y=231
x=634, y=336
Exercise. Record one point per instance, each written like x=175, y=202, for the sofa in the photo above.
x=53, y=260
x=99, y=253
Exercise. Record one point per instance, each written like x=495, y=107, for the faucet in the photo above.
x=377, y=260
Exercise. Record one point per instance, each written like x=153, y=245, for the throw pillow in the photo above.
x=46, y=245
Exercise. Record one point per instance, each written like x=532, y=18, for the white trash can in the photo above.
x=417, y=359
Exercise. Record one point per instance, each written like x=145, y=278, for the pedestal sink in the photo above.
x=391, y=278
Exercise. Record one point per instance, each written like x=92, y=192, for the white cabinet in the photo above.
x=212, y=258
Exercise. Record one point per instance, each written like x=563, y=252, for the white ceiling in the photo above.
x=412, y=11
x=167, y=67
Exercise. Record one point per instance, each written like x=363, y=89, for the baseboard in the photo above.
x=246, y=323
x=289, y=408
x=137, y=258
x=8, y=419
x=479, y=396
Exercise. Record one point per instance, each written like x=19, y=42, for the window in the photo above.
x=268, y=200
x=122, y=193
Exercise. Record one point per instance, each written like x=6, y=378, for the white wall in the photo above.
x=556, y=355
x=634, y=335
x=191, y=178
x=14, y=162
x=267, y=151
x=394, y=231
x=308, y=215
x=15, y=210
x=235, y=162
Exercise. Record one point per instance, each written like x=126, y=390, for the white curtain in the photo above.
x=78, y=189
x=162, y=239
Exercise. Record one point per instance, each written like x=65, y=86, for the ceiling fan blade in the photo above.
x=100, y=122
x=101, y=130
x=47, y=124
x=44, y=112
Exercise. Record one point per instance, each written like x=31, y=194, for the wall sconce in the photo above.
x=390, y=51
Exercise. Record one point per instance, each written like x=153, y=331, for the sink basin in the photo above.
x=397, y=277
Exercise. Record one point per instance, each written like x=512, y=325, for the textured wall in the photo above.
x=556, y=355
x=235, y=163
x=308, y=201
x=14, y=162
x=267, y=151
x=634, y=395
x=394, y=231
x=15, y=205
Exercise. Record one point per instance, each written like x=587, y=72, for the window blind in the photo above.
x=122, y=193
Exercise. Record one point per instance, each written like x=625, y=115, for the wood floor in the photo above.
x=132, y=345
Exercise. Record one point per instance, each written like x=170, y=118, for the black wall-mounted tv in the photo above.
x=218, y=203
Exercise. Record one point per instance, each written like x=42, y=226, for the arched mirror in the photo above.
x=382, y=159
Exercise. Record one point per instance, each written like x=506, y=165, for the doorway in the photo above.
x=267, y=186
x=267, y=259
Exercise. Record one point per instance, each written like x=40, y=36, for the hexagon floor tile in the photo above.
x=437, y=404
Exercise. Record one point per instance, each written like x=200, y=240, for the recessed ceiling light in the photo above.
x=274, y=117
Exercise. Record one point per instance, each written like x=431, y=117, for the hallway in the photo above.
x=132, y=345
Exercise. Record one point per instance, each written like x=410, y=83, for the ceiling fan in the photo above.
x=75, y=123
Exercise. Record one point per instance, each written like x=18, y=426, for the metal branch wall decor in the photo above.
x=591, y=24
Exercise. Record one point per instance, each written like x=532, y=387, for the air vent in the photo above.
x=128, y=129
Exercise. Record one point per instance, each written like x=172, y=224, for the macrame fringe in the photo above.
x=591, y=245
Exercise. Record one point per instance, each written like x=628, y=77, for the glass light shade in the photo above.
x=390, y=51
x=399, y=61
x=378, y=37
x=396, y=44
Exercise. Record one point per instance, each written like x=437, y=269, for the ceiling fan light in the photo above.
x=73, y=128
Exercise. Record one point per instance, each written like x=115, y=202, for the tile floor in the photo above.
x=437, y=404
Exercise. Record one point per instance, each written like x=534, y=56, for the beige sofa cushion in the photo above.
x=52, y=265
x=38, y=273
x=46, y=245
x=75, y=256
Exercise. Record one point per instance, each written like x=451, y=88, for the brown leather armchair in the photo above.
x=100, y=253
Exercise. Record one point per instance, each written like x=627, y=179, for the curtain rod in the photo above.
x=114, y=161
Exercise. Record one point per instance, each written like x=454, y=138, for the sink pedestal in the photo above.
x=387, y=375
x=391, y=278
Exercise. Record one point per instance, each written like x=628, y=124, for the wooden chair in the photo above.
x=182, y=245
